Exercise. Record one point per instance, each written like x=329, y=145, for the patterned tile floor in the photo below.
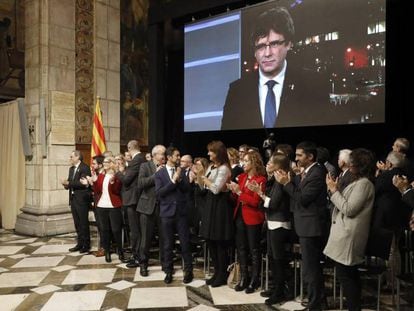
x=40, y=274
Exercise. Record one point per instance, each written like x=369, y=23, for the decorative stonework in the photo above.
x=84, y=88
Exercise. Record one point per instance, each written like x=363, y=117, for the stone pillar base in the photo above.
x=52, y=221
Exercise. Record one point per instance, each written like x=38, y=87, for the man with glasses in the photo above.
x=279, y=94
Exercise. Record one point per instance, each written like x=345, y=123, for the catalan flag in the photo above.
x=98, y=145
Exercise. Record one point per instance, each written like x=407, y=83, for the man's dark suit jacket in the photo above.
x=389, y=209
x=309, y=202
x=304, y=101
x=129, y=179
x=146, y=186
x=172, y=196
x=81, y=193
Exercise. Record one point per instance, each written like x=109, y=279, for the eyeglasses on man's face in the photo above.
x=273, y=44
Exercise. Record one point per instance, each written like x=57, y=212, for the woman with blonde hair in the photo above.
x=107, y=190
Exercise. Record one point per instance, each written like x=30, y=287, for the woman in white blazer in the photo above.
x=351, y=217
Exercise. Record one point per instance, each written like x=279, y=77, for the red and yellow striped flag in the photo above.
x=98, y=145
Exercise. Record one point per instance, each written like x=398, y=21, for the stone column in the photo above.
x=107, y=68
x=50, y=78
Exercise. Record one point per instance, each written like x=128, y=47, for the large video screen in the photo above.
x=286, y=63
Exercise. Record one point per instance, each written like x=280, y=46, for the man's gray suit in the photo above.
x=130, y=195
x=147, y=208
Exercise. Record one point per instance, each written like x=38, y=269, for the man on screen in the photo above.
x=280, y=94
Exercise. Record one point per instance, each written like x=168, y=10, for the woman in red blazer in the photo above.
x=249, y=220
x=107, y=191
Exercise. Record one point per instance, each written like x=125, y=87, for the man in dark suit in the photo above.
x=279, y=94
x=79, y=200
x=309, y=200
x=148, y=207
x=171, y=186
x=130, y=196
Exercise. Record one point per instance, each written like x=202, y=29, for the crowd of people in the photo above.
x=235, y=201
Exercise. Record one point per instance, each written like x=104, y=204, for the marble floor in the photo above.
x=40, y=274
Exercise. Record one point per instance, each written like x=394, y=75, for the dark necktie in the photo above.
x=74, y=173
x=270, y=105
x=172, y=172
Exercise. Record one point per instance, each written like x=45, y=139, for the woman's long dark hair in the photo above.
x=363, y=162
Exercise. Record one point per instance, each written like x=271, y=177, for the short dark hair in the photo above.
x=309, y=148
x=277, y=19
x=99, y=159
x=170, y=151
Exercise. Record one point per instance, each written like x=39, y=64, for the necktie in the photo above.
x=270, y=105
x=74, y=172
x=172, y=172
x=302, y=175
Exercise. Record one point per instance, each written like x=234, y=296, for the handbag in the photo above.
x=234, y=274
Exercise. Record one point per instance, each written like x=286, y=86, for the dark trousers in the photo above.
x=247, y=239
x=311, y=250
x=125, y=226
x=80, y=211
x=277, y=240
x=219, y=252
x=110, y=222
x=147, y=224
x=169, y=225
x=98, y=226
x=135, y=232
x=351, y=283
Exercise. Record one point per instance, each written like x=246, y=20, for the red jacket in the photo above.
x=250, y=201
x=113, y=189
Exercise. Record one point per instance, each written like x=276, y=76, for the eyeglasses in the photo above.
x=273, y=44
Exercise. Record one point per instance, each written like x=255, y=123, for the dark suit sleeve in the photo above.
x=276, y=196
x=408, y=198
x=229, y=109
x=84, y=171
x=312, y=189
x=145, y=178
x=184, y=184
x=131, y=172
x=163, y=188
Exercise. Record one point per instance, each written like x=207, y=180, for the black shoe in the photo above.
x=75, y=248
x=168, y=278
x=254, y=284
x=266, y=293
x=133, y=263
x=84, y=250
x=122, y=257
x=143, y=271
x=132, y=259
x=211, y=280
x=274, y=300
x=220, y=280
x=108, y=256
x=188, y=277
